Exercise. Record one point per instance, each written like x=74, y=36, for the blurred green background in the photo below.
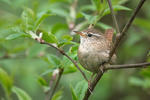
x=26, y=66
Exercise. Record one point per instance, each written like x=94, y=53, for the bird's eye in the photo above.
x=89, y=35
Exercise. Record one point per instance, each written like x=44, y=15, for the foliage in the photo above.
x=26, y=65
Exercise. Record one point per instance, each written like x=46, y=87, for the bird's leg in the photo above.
x=103, y=66
x=102, y=69
x=89, y=82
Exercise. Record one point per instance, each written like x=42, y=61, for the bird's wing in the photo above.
x=109, y=34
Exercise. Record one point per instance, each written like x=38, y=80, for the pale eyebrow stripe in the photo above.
x=96, y=34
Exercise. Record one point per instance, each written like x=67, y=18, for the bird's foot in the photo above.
x=103, y=66
x=102, y=69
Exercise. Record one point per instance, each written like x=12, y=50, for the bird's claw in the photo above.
x=102, y=69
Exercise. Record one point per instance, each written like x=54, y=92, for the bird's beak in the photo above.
x=80, y=33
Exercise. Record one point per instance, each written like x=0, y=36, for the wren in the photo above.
x=94, y=48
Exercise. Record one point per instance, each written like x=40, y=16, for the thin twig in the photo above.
x=59, y=77
x=139, y=65
x=63, y=53
x=113, y=16
x=125, y=29
x=117, y=41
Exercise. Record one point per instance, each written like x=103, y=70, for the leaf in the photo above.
x=48, y=71
x=57, y=27
x=116, y=8
x=91, y=19
x=16, y=35
x=28, y=19
x=40, y=19
x=122, y=1
x=6, y=81
x=54, y=60
x=74, y=48
x=145, y=83
x=42, y=81
x=67, y=37
x=57, y=95
x=66, y=40
x=103, y=26
x=49, y=38
x=80, y=89
x=70, y=69
x=74, y=96
x=21, y=94
x=97, y=4
x=60, y=11
x=87, y=7
x=136, y=81
x=100, y=5
x=146, y=72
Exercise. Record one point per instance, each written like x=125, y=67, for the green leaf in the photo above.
x=21, y=94
x=42, y=81
x=60, y=11
x=80, y=89
x=145, y=83
x=28, y=19
x=48, y=37
x=87, y=7
x=57, y=95
x=16, y=35
x=54, y=60
x=57, y=27
x=100, y=5
x=70, y=69
x=67, y=37
x=97, y=4
x=122, y=2
x=91, y=19
x=66, y=40
x=116, y=8
x=6, y=81
x=40, y=19
x=136, y=81
x=74, y=96
x=146, y=72
x=48, y=71
x=103, y=26
x=74, y=48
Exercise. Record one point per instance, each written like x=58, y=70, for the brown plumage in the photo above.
x=94, y=48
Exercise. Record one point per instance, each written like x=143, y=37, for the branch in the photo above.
x=125, y=29
x=113, y=16
x=111, y=67
x=92, y=85
x=63, y=53
x=54, y=89
x=139, y=65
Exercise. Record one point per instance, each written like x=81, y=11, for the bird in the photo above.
x=94, y=48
